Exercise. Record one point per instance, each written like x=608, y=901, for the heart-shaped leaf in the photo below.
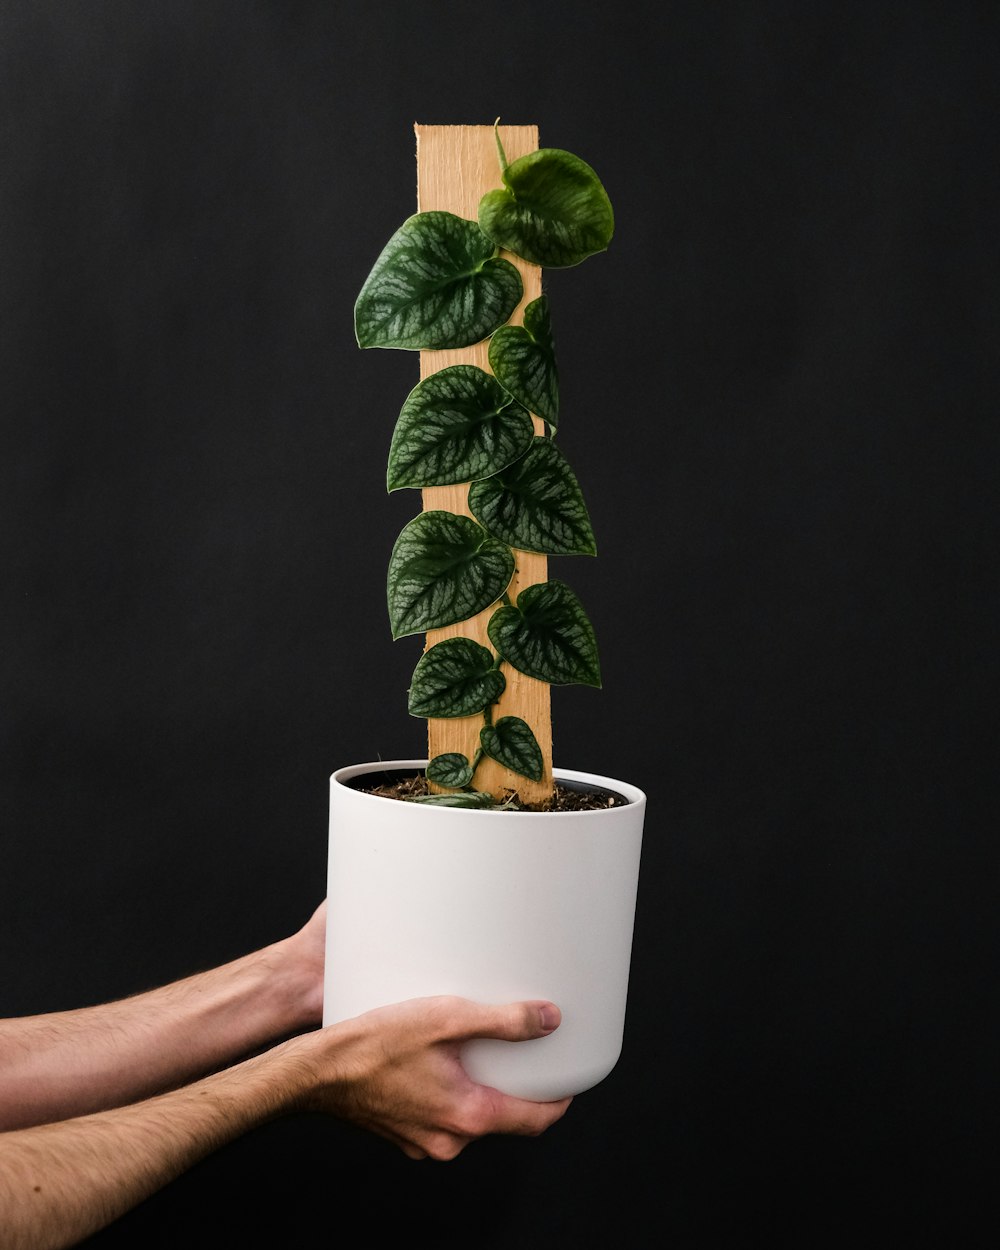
x=457, y=425
x=548, y=635
x=443, y=569
x=455, y=677
x=437, y=283
x=524, y=361
x=451, y=769
x=535, y=504
x=511, y=743
x=552, y=211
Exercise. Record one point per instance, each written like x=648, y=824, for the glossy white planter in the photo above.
x=493, y=906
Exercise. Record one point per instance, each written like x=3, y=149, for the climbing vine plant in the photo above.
x=441, y=282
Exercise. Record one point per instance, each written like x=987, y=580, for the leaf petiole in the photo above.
x=501, y=154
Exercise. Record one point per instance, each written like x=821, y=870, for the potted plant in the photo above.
x=480, y=869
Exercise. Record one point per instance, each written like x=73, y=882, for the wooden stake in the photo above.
x=456, y=166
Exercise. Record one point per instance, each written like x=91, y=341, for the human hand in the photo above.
x=295, y=967
x=397, y=1072
x=310, y=942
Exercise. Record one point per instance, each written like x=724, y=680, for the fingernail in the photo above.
x=550, y=1017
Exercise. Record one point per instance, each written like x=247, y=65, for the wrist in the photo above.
x=322, y=1067
x=295, y=980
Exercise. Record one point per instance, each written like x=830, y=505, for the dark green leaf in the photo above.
x=548, y=635
x=511, y=743
x=457, y=425
x=455, y=677
x=465, y=798
x=553, y=210
x=536, y=504
x=436, y=284
x=524, y=361
x=451, y=769
x=443, y=569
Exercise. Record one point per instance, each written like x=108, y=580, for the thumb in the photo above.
x=514, y=1022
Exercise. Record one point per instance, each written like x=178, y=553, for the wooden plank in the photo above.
x=456, y=166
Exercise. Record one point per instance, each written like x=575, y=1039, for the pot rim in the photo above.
x=628, y=791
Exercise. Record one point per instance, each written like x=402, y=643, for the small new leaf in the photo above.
x=536, y=504
x=457, y=425
x=455, y=677
x=548, y=635
x=552, y=211
x=451, y=769
x=443, y=569
x=511, y=743
x=436, y=284
x=464, y=798
x=523, y=358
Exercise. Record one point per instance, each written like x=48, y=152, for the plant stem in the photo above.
x=500, y=152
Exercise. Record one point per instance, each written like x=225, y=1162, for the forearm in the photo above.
x=61, y=1182
x=71, y=1063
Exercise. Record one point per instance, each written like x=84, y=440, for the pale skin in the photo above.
x=103, y=1106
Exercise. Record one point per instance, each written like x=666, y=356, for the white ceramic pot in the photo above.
x=496, y=906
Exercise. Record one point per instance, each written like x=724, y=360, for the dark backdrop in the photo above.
x=780, y=399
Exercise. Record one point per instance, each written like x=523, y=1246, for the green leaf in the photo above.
x=536, y=504
x=548, y=635
x=511, y=743
x=436, y=284
x=457, y=425
x=465, y=798
x=523, y=358
x=553, y=210
x=455, y=677
x=443, y=569
x=451, y=769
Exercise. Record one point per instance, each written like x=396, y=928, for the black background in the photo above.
x=779, y=396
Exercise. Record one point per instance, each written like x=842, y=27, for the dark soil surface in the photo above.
x=564, y=799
